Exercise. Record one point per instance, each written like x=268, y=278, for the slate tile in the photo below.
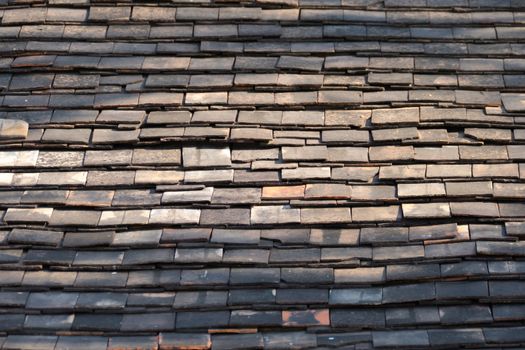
x=409, y=292
x=206, y=157
x=274, y=214
x=259, y=276
x=12, y=299
x=429, y=232
x=356, y=296
x=151, y=299
x=373, y=193
x=154, y=278
x=140, y=342
x=327, y=237
x=406, y=338
x=252, y=318
x=186, y=235
x=374, y=235
x=48, y=322
x=28, y=215
x=200, y=299
x=427, y=210
x=49, y=278
x=412, y=272
x=202, y=319
x=182, y=340
x=48, y=257
x=412, y=315
x=238, y=341
x=368, y=214
x=360, y=275
x=101, y=279
x=465, y=314
x=357, y=318
x=302, y=296
x=98, y=300
x=148, y=322
x=275, y=340
x=251, y=296
x=36, y=342
x=35, y=237
x=213, y=276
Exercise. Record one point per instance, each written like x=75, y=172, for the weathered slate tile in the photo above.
x=302, y=296
x=44, y=342
x=357, y=318
x=408, y=338
x=184, y=340
x=279, y=340
x=238, y=341
x=88, y=342
x=334, y=236
x=360, y=275
x=370, y=214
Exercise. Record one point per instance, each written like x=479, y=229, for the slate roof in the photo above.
x=278, y=174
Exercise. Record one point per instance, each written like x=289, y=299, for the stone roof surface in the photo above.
x=277, y=174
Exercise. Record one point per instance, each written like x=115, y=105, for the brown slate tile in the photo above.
x=371, y=214
x=325, y=215
x=426, y=210
x=480, y=209
x=391, y=153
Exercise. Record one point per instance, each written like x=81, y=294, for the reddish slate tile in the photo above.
x=302, y=318
x=283, y=192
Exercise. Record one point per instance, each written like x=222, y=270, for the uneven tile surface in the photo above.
x=262, y=174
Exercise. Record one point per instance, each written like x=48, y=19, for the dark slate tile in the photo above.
x=158, y=321
x=101, y=279
x=88, y=239
x=251, y=318
x=342, y=339
x=286, y=340
x=302, y=275
x=295, y=255
x=508, y=312
x=504, y=335
x=101, y=300
x=251, y=296
x=49, y=257
x=48, y=322
x=465, y=314
x=148, y=256
x=455, y=337
x=506, y=289
x=357, y=318
x=203, y=319
x=464, y=268
x=155, y=278
x=12, y=322
x=22, y=82
x=258, y=276
x=356, y=296
x=151, y=299
x=97, y=322
x=462, y=290
x=213, y=276
x=44, y=342
x=302, y=296
x=409, y=292
x=85, y=342
x=11, y=299
x=237, y=341
x=409, y=338
x=200, y=299
x=408, y=316
x=87, y=258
